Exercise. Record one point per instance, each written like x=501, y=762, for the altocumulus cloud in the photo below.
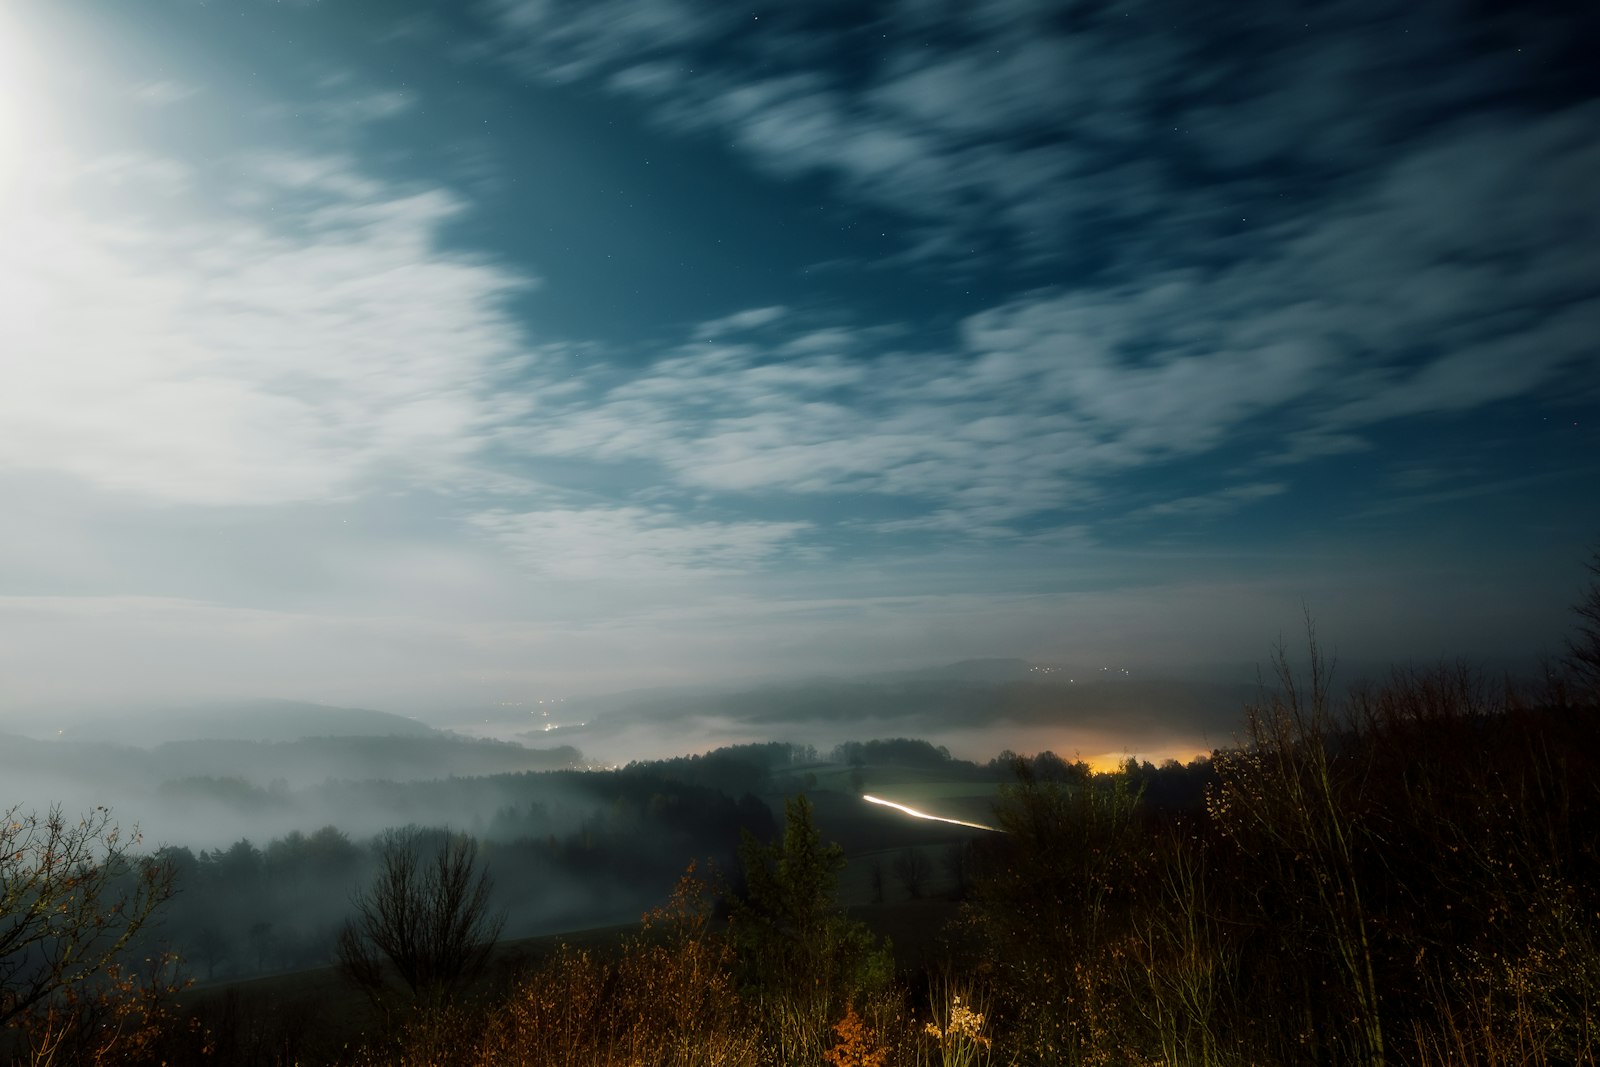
x=322, y=337
x=1094, y=136
x=1303, y=349
x=1285, y=237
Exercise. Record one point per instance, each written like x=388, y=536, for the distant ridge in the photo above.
x=966, y=670
x=240, y=720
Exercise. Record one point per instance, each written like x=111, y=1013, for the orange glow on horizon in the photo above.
x=1111, y=762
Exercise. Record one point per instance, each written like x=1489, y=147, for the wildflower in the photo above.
x=961, y=1039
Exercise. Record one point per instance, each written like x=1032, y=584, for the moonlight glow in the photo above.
x=19, y=104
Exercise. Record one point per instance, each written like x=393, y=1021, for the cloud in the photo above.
x=1391, y=265
x=739, y=322
x=629, y=543
x=163, y=93
x=1379, y=307
x=564, y=41
x=1209, y=504
x=946, y=133
x=1215, y=249
x=371, y=107
x=1044, y=398
x=139, y=173
x=1100, y=137
x=314, y=339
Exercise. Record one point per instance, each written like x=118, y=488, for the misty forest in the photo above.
x=1393, y=870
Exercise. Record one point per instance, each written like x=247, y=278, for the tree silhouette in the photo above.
x=1583, y=647
x=803, y=959
x=913, y=869
x=426, y=917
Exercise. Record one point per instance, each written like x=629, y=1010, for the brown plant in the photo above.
x=857, y=1045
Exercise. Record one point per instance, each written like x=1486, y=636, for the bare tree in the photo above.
x=72, y=895
x=958, y=865
x=1583, y=647
x=211, y=947
x=426, y=917
x=262, y=942
x=913, y=868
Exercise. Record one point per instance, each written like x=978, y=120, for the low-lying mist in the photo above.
x=271, y=811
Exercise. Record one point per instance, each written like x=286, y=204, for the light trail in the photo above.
x=915, y=814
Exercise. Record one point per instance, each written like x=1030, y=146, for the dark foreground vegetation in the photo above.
x=1408, y=874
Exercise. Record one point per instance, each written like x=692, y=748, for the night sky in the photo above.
x=427, y=355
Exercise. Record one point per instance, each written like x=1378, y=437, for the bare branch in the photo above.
x=426, y=919
x=72, y=895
